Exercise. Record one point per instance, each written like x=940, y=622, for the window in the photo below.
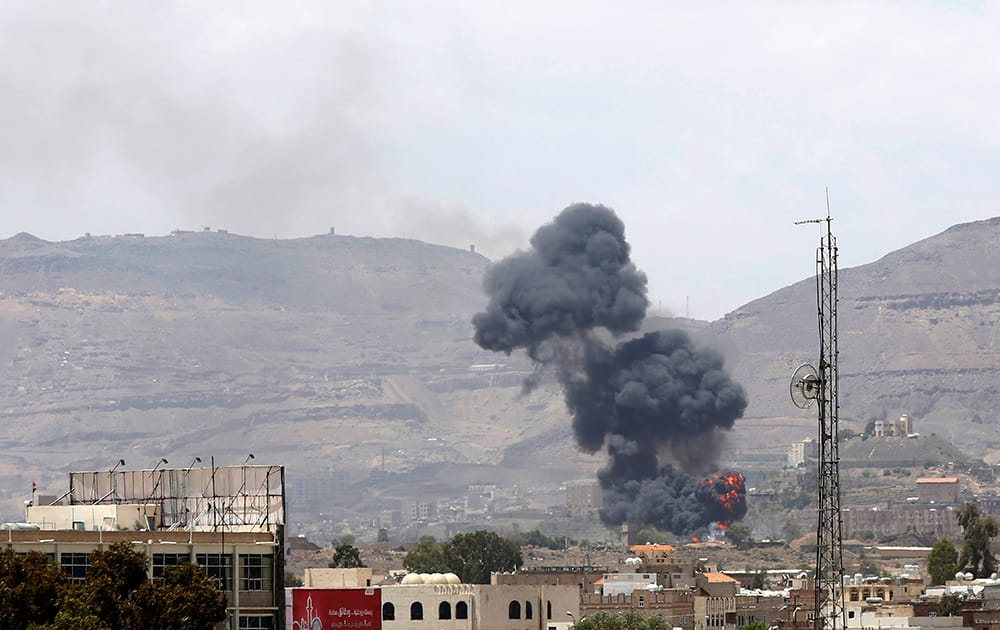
x=163, y=560
x=527, y=610
x=548, y=609
x=514, y=610
x=444, y=611
x=50, y=558
x=256, y=572
x=218, y=566
x=416, y=611
x=388, y=612
x=642, y=602
x=75, y=565
x=256, y=622
x=461, y=610
x=850, y=614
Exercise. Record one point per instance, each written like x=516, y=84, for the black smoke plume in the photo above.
x=657, y=403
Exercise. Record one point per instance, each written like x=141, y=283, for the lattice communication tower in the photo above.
x=810, y=384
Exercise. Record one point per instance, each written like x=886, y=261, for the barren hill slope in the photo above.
x=918, y=335
x=350, y=357
x=330, y=353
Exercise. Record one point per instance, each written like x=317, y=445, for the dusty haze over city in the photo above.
x=709, y=129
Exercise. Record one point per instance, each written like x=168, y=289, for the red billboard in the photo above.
x=330, y=608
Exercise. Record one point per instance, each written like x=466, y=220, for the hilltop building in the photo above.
x=894, y=428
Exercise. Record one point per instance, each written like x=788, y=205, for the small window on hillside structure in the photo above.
x=514, y=610
x=416, y=611
x=548, y=609
x=527, y=610
x=444, y=611
x=388, y=612
x=461, y=610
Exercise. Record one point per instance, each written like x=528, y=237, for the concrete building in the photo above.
x=676, y=606
x=894, y=428
x=585, y=579
x=801, y=451
x=931, y=519
x=625, y=583
x=229, y=520
x=479, y=606
x=932, y=512
x=439, y=602
x=938, y=490
x=422, y=510
x=888, y=591
x=583, y=497
x=654, y=556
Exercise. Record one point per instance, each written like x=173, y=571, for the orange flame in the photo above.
x=734, y=485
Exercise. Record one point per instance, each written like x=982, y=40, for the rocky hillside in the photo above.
x=918, y=335
x=350, y=359
x=330, y=353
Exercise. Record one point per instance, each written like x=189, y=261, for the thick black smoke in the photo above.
x=651, y=398
x=576, y=277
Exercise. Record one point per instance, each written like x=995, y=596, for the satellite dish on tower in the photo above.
x=804, y=387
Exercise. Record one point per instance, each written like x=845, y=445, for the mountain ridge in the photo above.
x=352, y=356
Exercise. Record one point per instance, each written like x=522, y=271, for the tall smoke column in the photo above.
x=651, y=398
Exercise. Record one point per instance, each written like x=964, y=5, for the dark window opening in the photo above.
x=514, y=610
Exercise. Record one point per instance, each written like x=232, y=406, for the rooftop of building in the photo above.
x=138, y=537
x=653, y=548
x=719, y=578
x=937, y=480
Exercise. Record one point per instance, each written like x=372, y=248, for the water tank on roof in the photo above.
x=451, y=578
x=969, y=577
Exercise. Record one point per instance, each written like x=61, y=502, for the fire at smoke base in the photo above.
x=653, y=397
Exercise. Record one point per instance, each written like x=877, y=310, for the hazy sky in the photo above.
x=709, y=127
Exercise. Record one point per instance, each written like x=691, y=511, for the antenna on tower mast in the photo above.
x=822, y=385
